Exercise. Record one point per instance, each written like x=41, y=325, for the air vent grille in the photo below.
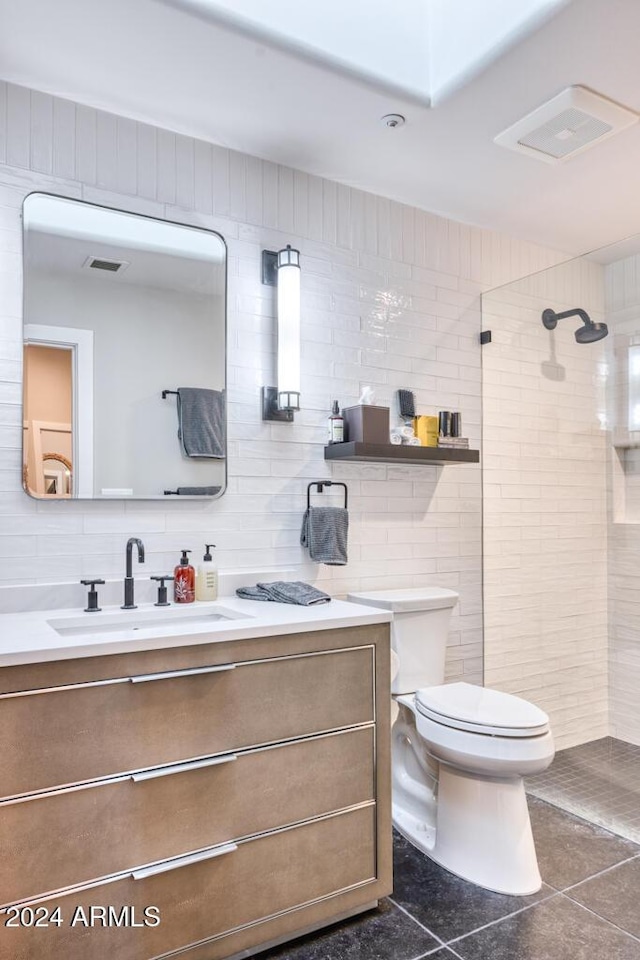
x=111, y=265
x=566, y=133
x=571, y=122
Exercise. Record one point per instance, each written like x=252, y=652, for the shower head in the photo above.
x=589, y=332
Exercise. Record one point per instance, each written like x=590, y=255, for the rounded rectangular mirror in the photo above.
x=124, y=392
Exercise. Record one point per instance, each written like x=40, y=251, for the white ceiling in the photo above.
x=420, y=49
x=156, y=61
x=64, y=217
x=66, y=256
x=62, y=236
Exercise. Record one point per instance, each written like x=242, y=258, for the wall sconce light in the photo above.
x=282, y=269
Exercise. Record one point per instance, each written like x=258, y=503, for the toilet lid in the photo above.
x=405, y=600
x=481, y=710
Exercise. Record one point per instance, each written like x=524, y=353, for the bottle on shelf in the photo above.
x=335, y=425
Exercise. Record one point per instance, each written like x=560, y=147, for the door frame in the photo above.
x=80, y=342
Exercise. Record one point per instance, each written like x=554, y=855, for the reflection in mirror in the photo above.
x=47, y=414
x=56, y=469
x=124, y=354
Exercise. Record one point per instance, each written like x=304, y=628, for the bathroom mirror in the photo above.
x=124, y=355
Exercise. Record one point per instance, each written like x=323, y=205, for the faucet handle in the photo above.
x=92, y=597
x=162, y=591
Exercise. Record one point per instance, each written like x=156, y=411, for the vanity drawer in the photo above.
x=236, y=885
x=72, y=734
x=73, y=836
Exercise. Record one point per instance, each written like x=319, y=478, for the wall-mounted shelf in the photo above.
x=626, y=444
x=388, y=453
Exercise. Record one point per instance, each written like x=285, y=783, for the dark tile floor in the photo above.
x=599, y=781
x=588, y=908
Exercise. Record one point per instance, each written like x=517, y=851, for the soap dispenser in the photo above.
x=184, y=580
x=207, y=576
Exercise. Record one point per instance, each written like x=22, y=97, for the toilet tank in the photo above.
x=419, y=631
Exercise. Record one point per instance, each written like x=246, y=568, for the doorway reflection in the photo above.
x=48, y=418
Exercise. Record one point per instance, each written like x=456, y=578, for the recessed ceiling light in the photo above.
x=392, y=120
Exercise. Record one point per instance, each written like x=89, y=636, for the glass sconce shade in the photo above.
x=289, y=329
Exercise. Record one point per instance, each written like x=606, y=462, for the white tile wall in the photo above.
x=624, y=627
x=545, y=510
x=622, y=297
x=390, y=299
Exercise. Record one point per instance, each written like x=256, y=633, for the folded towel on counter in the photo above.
x=324, y=532
x=201, y=422
x=282, y=591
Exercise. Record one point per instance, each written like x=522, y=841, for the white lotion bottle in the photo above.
x=207, y=576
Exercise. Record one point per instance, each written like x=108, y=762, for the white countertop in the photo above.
x=30, y=637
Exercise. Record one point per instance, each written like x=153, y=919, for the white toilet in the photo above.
x=467, y=811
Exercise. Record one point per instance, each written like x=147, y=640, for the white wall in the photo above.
x=390, y=299
x=145, y=341
x=545, y=510
x=622, y=298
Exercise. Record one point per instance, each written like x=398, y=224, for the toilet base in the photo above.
x=459, y=797
x=416, y=831
x=483, y=832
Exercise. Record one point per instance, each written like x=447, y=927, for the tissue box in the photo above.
x=367, y=424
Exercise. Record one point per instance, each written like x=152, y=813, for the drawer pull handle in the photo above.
x=183, y=861
x=170, y=674
x=181, y=768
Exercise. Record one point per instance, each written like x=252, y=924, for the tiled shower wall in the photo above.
x=545, y=519
x=390, y=299
x=622, y=299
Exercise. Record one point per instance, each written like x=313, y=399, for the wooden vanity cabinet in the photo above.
x=242, y=789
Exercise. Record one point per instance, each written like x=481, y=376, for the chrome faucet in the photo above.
x=128, y=580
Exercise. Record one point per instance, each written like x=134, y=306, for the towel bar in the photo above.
x=165, y=393
x=320, y=484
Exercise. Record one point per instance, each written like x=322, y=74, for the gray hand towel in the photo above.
x=252, y=593
x=324, y=532
x=294, y=591
x=281, y=591
x=201, y=422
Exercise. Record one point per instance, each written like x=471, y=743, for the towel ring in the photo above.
x=321, y=484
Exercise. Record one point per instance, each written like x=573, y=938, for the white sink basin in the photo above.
x=164, y=617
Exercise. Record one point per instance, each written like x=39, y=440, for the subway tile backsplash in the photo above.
x=390, y=298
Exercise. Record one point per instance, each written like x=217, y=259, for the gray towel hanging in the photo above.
x=201, y=422
x=324, y=532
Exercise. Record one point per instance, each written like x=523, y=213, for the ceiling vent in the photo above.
x=566, y=125
x=110, y=266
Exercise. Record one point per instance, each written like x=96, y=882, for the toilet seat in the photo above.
x=480, y=710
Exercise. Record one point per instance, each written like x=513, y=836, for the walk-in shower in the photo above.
x=562, y=574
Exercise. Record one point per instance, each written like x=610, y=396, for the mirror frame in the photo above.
x=172, y=498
